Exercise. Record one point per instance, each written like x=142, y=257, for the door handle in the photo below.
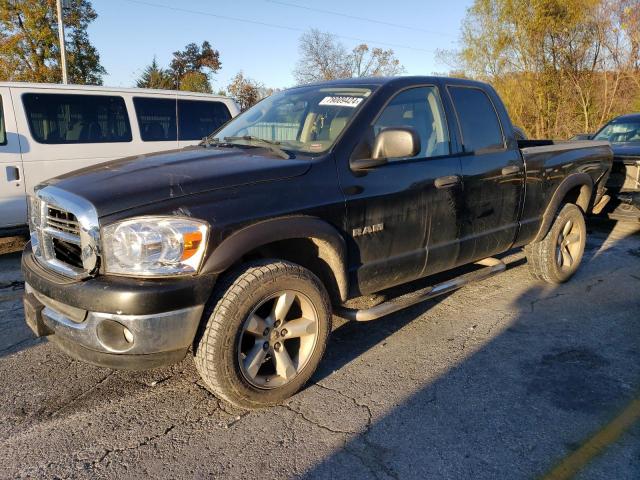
x=447, y=182
x=510, y=170
x=13, y=174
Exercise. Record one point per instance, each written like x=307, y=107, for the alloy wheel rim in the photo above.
x=569, y=245
x=278, y=339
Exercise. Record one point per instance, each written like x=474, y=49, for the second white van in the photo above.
x=47, y=130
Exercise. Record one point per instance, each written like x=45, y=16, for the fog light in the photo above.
x=128, y=336
x=114, y=336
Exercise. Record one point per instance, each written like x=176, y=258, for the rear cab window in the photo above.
x=73, y=118
x=3, y=128
x=478, y=120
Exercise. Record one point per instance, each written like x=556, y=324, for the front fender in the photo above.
x=331, y=245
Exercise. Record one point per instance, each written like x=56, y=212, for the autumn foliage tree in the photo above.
x=561, y=66
x=190, y=70
x=245, y=91
x=29, y=48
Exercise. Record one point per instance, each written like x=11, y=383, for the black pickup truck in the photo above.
x=242, y=248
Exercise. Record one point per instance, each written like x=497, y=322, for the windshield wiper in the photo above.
x=271, y=145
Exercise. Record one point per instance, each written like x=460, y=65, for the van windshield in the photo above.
x=307, y=119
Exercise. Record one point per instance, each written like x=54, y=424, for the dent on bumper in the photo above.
x=103, y=333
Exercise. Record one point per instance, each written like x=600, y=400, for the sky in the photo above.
x=260, y=37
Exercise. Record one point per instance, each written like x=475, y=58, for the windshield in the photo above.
x=307, y=119
x=620, y=132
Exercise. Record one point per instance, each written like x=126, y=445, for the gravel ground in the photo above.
x=506, y=378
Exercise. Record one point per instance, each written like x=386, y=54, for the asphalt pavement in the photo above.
x=505, y=378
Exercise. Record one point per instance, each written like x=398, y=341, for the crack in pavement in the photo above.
x=533, y=302
x=82, y=394
x=145, y=442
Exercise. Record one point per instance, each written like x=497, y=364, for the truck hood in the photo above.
x=146, y=179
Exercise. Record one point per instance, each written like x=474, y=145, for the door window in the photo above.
x=421, y=109
x=3, y=130
x=64, y=118
x=197, y=118
x=156, y=119
x=477, y=118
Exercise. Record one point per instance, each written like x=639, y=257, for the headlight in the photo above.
x=154, y=246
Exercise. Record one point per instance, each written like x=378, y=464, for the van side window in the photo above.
x=64, y=119
x=156, y=119
x=419, y=108
x=197, y=118
x=478, y=119
x=3, y=131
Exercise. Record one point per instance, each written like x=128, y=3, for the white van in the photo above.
x=47, y=130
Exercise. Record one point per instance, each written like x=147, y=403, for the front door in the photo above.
x=13, y=203
x=492, y=174
x=402, y=216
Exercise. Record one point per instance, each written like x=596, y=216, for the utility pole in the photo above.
x=63, y=51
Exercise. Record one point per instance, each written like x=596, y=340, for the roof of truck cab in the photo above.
x=379, y=81
x=100, y=88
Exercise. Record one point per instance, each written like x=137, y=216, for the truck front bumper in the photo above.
x=115, y=322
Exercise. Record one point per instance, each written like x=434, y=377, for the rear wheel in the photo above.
x=265, y=333
x=558, y=255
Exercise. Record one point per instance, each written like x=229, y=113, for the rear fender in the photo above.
x=581, y=180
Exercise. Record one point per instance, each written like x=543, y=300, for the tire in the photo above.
x=557, y=256
x=248, y=332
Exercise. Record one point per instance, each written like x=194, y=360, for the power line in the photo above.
x=271, y=25
x=356, y=17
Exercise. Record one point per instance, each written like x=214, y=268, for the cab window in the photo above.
x=421, y=109
x=3, y=131
x=478, y=120
x=66, y=118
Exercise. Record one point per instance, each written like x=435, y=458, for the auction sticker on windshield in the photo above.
x=341, y=101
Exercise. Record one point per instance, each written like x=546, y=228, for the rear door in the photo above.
x=13, y=203
x=492, y=173
x=398, y=214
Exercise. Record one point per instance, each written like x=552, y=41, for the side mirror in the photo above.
x=393, y=142
x=396, y=142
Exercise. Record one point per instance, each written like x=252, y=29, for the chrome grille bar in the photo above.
x=64, y=232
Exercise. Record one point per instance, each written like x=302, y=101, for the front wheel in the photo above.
x=265, y=333
x=558, y=255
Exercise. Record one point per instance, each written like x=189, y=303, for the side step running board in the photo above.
x=491, y=266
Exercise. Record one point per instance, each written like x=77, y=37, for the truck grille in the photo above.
x=59, y=239
x=64, y=229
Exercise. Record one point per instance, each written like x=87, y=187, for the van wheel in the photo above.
x=264, y=332
x=558, y=255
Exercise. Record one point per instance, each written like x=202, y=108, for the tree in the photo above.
x=247, y=92
x=194, y=65
x=561, y=66
x=155, y=77
x=365, y=62
x=323, y=57
x=29, y=48
x=194, y=82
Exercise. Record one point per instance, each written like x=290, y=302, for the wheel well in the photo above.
x=579, y=195
x=314, y=254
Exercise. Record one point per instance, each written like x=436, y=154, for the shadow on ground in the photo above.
x=518, y=401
